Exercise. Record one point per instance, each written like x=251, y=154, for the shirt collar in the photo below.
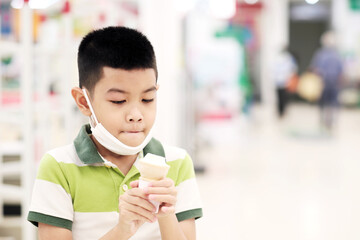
x=85, y=147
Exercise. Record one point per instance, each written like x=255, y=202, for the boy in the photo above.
x=89, y=189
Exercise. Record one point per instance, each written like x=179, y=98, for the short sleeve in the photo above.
x=188, y=198
x=51, y=201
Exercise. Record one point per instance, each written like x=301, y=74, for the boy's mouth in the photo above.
x=132, y=131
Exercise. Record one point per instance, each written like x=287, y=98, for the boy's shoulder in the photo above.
x=65, y=154
x=173, y=153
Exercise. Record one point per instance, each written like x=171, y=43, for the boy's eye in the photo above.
x=147, y=100
x=118, y=102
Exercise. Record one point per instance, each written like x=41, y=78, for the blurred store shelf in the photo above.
x=10, y=222
x=11, y=194
x=11, y=148
x=11, y=169
x=9, y=47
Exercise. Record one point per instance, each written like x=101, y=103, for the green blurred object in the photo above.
x=6, y=60
x=354, y=5
x=241, y=35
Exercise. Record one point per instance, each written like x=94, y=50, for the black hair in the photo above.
x=115, y=47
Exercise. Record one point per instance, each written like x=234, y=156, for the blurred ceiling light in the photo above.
x=222, y=8
x=251, y=1
x=17, y=4
x=311, y=1
x=184, y=6
x=41, y=4
x=35, y=4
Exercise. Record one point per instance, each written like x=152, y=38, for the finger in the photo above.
x=126, y=208
x=138, y=201
x=139, y=211
x=160, y=190
x=137, y=192
x=163, y=198
x=134, y=184
x=128, y=215
x=165, y=209
x=166, y=182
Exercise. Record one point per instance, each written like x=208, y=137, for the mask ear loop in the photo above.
x=92, y=117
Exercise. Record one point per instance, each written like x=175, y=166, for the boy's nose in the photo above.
x=134, y=116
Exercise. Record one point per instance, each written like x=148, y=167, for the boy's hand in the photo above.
x=134, y=210
x=163, y=191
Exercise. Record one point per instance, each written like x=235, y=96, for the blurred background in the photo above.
x=264, y=95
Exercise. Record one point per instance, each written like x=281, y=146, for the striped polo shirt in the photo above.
x=77, y=189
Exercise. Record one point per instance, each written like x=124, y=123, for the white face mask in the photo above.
x=110, y=142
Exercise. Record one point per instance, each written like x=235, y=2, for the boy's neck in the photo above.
x=123, y=162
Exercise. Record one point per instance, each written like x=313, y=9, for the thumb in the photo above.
x=134, y=184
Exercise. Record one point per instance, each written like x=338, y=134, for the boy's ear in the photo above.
x=157, y=87
x=80, y=101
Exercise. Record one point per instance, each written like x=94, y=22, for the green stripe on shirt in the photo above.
x=87, y=182
x=187, y=170
x=36, y=218
x=193, y=213
x=51, y=170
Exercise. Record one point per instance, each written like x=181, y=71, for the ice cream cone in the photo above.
x=152, y=168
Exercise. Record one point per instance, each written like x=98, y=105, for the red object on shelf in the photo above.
x=13, y=98
x=102, y=18
x=216, y=115
x=66, y=8
x=247, y=6
x=26, y=1
x=42, y=17
x=246, y=12
x=10, y=97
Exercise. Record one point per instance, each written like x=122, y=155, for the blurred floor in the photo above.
x=281, y=180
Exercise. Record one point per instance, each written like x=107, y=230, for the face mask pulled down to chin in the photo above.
x=107, y=140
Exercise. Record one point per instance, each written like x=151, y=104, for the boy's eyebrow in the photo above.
x=116, y=90
x=153, y=88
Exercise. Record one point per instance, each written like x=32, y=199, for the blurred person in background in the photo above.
x=327, y=63
x=285, y=68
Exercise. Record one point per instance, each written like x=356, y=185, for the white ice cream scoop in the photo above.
x=152, y=168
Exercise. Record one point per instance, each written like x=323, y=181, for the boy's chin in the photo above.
x=133, y=142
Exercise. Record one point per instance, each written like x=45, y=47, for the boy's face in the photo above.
x=124, y=103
